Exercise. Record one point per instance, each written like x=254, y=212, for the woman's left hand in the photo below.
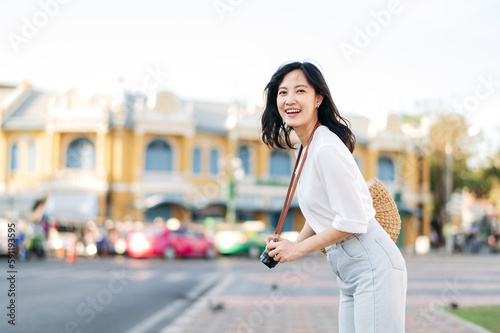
x=284, y=250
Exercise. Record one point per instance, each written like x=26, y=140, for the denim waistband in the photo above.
x=372, y=225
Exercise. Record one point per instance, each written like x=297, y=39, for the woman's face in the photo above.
x=297, y=100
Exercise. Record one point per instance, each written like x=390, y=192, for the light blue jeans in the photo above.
x=371, y=275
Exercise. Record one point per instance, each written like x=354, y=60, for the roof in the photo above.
x=31, y=113
x=210, y=117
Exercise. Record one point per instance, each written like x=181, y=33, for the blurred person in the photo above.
x=21, y=249
x=335, y=200
x=434, y=238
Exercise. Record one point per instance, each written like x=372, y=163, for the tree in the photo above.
x=449, y=151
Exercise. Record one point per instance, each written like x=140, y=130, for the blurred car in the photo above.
x=59, y=241
x=160, y=241
x=247, y=237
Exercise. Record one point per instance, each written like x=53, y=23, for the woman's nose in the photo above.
x=290, y=99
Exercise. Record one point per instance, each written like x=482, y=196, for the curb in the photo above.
x=473, y=327
x=186, y=318
x=166, y=315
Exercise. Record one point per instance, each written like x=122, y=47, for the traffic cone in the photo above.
x=71, y=252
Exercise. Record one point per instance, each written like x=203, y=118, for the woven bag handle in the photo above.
x=293, y=184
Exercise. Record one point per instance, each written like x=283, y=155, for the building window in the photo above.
x=196, y=161
x=214, y=162
x=244, y=156
x=159, y=156
x=386, y=170
x=32, y=157
x=81, y=154
x=14, y=157
x=280, y=164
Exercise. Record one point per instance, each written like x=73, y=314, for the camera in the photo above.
x=267, y=260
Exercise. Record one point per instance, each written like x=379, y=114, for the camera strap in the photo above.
x=293, y=183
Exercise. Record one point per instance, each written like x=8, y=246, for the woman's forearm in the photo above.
x=319, y=241
x=305, y=233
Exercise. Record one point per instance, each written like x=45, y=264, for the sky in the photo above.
x=378, y=57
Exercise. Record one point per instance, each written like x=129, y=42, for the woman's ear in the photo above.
x=319, y=100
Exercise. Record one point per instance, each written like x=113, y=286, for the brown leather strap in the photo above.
x=293, y=184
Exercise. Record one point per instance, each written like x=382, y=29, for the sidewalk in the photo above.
x=303, y=297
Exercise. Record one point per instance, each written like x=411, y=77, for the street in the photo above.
x=105, y=294
x=124, y=295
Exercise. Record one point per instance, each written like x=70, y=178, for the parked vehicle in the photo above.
x=247, y=238
x=160, y=241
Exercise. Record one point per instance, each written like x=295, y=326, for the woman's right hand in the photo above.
x=270, y=238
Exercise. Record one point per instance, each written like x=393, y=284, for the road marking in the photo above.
x=152, y=321
x=176, y=276
x=195, y=292
x=141, y=275
x=171, y=309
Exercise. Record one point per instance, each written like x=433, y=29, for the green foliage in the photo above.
x=411, y=119
x=479, y=181
x=475, y=180
x=485, y=316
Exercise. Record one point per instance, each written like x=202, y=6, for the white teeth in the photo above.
x=293, y=111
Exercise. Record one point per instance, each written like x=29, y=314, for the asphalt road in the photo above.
x=108, y=295
x=124, y=295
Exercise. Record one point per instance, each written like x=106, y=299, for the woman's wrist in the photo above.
x=302, y=248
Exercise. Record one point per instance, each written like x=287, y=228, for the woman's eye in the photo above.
x=301, y=90
x=282, y=93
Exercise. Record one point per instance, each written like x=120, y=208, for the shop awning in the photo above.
x=152, y=200
x=72, y=207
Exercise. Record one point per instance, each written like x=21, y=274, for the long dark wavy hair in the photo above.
x=276, y=134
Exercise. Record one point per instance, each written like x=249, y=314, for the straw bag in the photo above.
x=386, y=210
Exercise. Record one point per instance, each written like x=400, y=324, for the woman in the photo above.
x=336, y=202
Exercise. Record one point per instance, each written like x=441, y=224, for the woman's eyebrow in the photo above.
x=298, y=86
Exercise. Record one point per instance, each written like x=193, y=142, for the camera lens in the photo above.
x=267, y=260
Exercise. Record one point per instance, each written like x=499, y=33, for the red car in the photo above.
x=169, y=244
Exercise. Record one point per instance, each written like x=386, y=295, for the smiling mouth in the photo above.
x=292, y=111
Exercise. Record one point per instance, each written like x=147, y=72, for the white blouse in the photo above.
x=331, y=189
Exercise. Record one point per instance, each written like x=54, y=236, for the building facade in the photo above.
x=129, y=157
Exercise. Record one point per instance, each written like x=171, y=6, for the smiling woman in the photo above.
x=334, y=198
x=296, y=96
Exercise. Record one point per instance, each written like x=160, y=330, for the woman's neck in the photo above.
x=305, y=132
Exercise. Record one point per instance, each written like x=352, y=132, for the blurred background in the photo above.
x=133, y=128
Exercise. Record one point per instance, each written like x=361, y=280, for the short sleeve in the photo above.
x=344, y=186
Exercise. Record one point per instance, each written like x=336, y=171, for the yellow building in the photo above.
x=134, y=157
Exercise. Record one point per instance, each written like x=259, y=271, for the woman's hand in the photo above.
x=270, y=238
x=284, y=250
